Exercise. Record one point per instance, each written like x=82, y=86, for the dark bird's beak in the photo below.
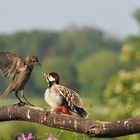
x=37, y=63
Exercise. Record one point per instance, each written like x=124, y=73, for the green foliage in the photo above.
x=96, y=70
x=123, y=90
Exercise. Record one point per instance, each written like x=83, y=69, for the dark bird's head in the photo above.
x=32, y=60
x=52, y=78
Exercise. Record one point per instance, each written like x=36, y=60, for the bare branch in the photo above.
x=76, y=124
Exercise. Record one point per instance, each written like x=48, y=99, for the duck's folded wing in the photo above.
x=72, y=98
x=9, y=63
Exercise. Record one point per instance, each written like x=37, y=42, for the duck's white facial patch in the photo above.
x=51, y=79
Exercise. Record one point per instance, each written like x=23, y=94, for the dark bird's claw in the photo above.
x=20, y=104
x=23, y=104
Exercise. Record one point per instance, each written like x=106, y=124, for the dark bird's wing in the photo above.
x=9, y=63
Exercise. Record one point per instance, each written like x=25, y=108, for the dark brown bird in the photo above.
x=19, y=69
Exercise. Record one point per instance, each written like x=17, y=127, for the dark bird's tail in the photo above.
x=2, y=95
x=5, y=93
x=81, y=112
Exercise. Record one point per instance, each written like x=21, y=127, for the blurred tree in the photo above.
x=123, y=90
x=96, y=70
x=80, y=43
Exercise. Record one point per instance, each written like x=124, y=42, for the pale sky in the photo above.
x=112, y=16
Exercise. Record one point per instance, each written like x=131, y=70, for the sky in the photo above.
x=111, y=16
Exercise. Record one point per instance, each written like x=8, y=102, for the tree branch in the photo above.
x=92, y=128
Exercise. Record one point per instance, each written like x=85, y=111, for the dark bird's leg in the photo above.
x=16, y=93
x=22, y=93
x=21, y=103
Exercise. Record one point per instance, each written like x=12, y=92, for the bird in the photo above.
x=62, y=99
x=19, y=70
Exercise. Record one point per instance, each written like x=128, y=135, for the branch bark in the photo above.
x=93, y=128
